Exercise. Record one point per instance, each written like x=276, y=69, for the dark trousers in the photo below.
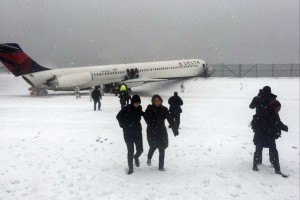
x=273, y=153
x=176, y=117
x=130, y=147
x=95, y=103
x=161, y=156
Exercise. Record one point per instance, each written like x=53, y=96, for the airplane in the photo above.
x=42, y=79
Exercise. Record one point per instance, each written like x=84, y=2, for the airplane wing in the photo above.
x=141, y=81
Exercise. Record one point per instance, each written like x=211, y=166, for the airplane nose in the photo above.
x=210, y=70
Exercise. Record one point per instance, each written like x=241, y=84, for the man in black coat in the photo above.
x=124, y=98
x=157, y=135
x=267, y=127
x=96, y=95
x=130, y=120
x=175, y=102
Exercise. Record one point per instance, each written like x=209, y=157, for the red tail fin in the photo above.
x=14, y=59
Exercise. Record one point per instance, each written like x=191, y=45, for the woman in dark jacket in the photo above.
x=267, y=128
x=157, y=136
x=260, y=103
x=130, y=120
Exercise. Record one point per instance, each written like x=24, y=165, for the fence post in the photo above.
x=256, y=71
x=222, y=69
x=272, y=70
x=240, y=70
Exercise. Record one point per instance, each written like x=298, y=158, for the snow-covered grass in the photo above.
x=57, y=147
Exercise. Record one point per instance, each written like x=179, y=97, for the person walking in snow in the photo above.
x=182, y=87
x=267, y=127
x=90, y=92
x=77, y=92
x=116, y=89
x=96, y=95
x=157, y=135
x=129, y=119
x=101, y=89
x=175, y=102
x=123, y=88
x=124, y=98
x=260, y=103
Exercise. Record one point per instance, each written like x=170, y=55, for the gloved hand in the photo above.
x=121, y=125
x=285, y=128
x=175, y=131
x=277, y=135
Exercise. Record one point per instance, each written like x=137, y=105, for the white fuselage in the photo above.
x=86, y=77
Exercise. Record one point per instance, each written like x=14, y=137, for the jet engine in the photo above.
x=69, y=80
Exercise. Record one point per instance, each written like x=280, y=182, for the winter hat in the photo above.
x=156, y=96
x=135, y=99
x=275, y=105
x=267, y=89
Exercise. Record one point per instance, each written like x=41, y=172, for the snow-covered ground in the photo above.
x=57, y=147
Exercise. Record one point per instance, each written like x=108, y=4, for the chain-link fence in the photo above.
x=256, y=70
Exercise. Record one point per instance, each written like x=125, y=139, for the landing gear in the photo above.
x=37, y=92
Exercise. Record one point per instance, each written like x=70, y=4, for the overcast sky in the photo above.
x=58, y=33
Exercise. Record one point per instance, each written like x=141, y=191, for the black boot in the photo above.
x=130, y=164
x=150, y=154
x=259, y=158
x=149, y=162
x=254, y=168
x=137, y=162
x=130, y=171
x=255, y=161
x=161, y=159
x=274, y=158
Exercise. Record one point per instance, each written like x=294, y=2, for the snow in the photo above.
x=57, y=147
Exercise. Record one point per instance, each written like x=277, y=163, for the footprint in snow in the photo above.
x=14, y=182
x=100, y=140
x=234, y=195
